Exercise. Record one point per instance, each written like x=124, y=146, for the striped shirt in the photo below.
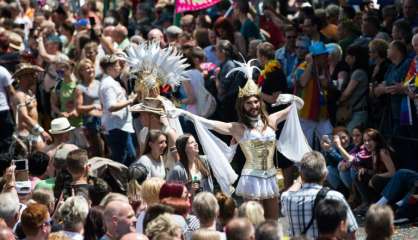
x=297, y=207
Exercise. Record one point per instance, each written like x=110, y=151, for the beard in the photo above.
x=252, y=113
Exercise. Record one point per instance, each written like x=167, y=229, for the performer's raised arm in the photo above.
x=277, y=117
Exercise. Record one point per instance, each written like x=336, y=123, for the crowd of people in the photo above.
x=123, y=120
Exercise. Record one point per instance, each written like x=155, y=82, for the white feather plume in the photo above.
x=168, y=65
x=244, y=67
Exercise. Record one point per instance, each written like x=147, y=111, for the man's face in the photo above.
x=126, y=220
x=409, y=8
x=308, y=27
x=415, y=43
x=252, y=106
x=291, y=38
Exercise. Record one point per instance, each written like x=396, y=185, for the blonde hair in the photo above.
x=151, y=190
x=379, y=222
x=206, y=234
x=253, y=211
x=58, y=236
x=80, y=65
x=162, y=223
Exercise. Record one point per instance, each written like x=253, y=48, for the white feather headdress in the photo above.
x=250, y=88
x=155, y=66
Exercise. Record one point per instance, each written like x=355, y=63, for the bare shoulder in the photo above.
x=238, y=130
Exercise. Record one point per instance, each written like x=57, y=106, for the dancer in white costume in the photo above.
x=255, y=133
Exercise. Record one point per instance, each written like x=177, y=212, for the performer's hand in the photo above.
x=164, y=121
x=176, y=112
x=285, y=98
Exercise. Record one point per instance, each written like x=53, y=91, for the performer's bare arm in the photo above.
x=23, y=111
x=277, y=117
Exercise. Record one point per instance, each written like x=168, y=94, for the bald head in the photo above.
x=240, y=229
x=119, y=33
x=119, y=218
x=157, y=35
x=134, y=236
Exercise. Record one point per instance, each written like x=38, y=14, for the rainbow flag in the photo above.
x=410, y=78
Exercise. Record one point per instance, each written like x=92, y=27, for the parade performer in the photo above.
x=155, y=68
x=25, y=108
x=255, y=133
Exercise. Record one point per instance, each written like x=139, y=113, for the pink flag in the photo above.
x=193, y=5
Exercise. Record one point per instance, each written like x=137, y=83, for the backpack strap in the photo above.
x=319, y=196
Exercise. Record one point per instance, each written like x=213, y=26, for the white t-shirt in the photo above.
x=5, y=81
x=155, y=168
x=111, y=92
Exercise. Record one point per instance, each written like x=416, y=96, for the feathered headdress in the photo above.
x=250, y=88
x=155, y=66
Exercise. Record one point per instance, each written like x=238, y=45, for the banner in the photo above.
x=193, y=5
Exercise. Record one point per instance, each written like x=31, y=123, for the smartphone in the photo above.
x=21, y=164
x=22, y=170
x=92, y=21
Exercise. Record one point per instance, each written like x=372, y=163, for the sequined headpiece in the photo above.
x=250, y=88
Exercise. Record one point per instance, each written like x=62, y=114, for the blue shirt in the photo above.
x=289, y=62
x=394, y=75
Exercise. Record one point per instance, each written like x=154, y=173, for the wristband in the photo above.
x=37, y=129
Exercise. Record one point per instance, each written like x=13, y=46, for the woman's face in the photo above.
x=344, y=138
x=219, y=53
x=369, y=143
x=159, y=145
x=192, y=147
x=349, y=59
x=356, y=136
x=392, y=52
x=91, y=53
x=87, y=71
x=114, y=70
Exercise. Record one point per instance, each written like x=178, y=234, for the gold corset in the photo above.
x=258, y=154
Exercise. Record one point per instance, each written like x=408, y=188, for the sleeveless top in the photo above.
x=90, y=94
x=258, y=148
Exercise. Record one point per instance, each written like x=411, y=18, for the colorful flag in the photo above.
x=194, y=5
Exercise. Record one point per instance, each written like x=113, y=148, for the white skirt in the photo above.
x=257, y=188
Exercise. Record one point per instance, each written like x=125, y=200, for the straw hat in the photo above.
x=26, y=68
x=150, y=105
x=60, y=125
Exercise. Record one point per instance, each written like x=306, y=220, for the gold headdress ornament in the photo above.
x=155, y=66
x=250, y=88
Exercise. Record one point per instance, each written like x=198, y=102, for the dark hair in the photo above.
x=401, y=47
x=361, y=56
x=329, y=213
x=349, y=11
x=239, y=107
x=267, y=50
x=68, y=27
x=268, y=230
x=153, y=135
x=154, y=211
x=38, y=163
x=181, y=143
x=202, y=37
x=315, y=20
x=227, y=206
x=138, y=172
x=340, y=129
x=77, y=160
x=191, y=53
x=100, y=188
x=379, y=140
x=94, y=227
x=405, y=29
x=373, y=20
x=227, y=48
x=243, y=6
x=226, y=25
